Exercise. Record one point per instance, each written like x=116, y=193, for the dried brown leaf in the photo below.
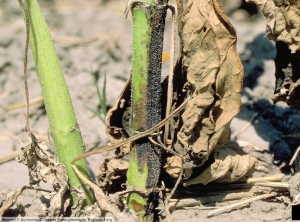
x=173, y=166
x=76, y=209
x=114, y=124
x=8, y=199
x=112, y=171
x=283, y=27
x=117, y=165
x=42, y=167
x=103, y=201
x=283, y=21
x=227, y=167
x=214, y=76
x=91, y=211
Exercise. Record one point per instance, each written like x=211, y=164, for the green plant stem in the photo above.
x=63, y=124
x=144, y=162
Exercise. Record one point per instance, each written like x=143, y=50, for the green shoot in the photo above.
x=62, y=120
x=101, y=96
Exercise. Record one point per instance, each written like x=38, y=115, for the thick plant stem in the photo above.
x=63, y=124
x=144, y=163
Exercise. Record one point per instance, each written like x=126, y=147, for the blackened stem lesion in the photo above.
x=147, y=109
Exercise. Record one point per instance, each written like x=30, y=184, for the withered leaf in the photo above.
x=91, y=211
x=111, y=170
x=227, y=167
x=8, y=199
x=42, y=167
x=76, y=209
x=114, y=124
x=117, y=165
x=214, y=76
x=173, y=166
x=41, y=164
x=283, y=27
x=283, y=21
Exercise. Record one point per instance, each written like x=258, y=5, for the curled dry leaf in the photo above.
x=173, y=166
x=111, y=170
x=8, y=199
x=283, y=27
x=283, y=21
x=116, y=129
x=117, y=165
x=91, y=211
x=214, y=76
x=42, y=167
x=227, y=167
x=77, y=210
x=114, y=119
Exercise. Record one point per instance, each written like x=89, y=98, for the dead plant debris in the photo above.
x=8, y=199
x=42, y=167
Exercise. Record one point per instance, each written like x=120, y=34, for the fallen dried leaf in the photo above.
x=173, y=166
x=114, y=120
x=227, y=167
x=103, y=201
x=8, y=199
x=42, y=167
x=214, y=74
